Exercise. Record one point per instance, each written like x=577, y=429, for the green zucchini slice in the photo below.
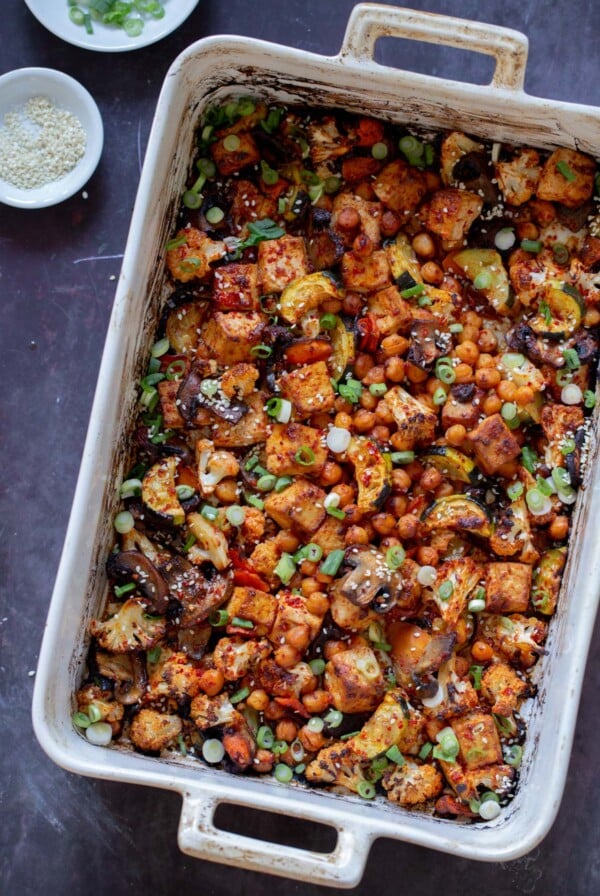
x=459, y=513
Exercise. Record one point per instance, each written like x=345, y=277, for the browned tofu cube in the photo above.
x=400, y=187
x=518, y=177
x=354, y=680
x=235, y=287
x=451, y=213
x=367, y=274
x=502, y=688
x=284, y=443
x=258, y=607
x=330, y=535
x=298, y=507
x=478, y=739
x=507, y=587
x=239, y=381
x=252, y=428
x=249, y=204
x=281, y=261
x=415, y=422
x=369, y=214
x=465, y=412
x=493, y=444
x=232, y=152
x=392, y=312
x=560, y=422
x=567, y=177
x=309, y=389
x=231, y=337
x=292, y=613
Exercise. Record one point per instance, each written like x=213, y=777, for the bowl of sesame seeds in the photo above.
x=51, y=137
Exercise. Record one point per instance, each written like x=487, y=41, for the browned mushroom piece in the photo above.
x=127, y=670
x=369, y=581
x=190, y=397
x=133, y=566
x=476, y=173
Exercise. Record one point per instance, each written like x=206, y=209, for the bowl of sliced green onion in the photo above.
x=111, y=26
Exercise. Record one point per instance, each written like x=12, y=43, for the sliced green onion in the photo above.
x=317, y=666
x=239, y=695
x=455, y=328
x=176, y=369
x=533, y=246
x=366, y=790
x=425, y=751
x=476, y=672
x=184, y=492
x=304, y=456
x=175, y=243
x=235, y=514
x=544, y=487
x=513, y=755
x=160, y=348
x=312, y=552
x=99, y=734
x=209, y=387
x=218, y=618
x=379, y=151
x=297, y=750
x=377, y=389
x=331, y=565
x=563, y=377
x=131, y=488
x=537, y=503
x=274, y=406
x=238, y=622
x=261, y=351
x=206, y=167
x=94, y=713
x=448, y=748
x=268, y=174
x=351, y=390
x=122, y=590
x=279, y=747
x=328, y=321
x=439, y=397
x=77, y=15
x=561, y=253
x=315, y=724
x=395, y=556
x=402, y=457
x=213, y=751
x=515, y=490
x=512, y=360
x=333, y=718
x=153, y=655
x=265, y=737
x=283, y=773
x=255, y=501
x=476, y=605
x=571, y=359
x=483, y=280
x=335, y=512
x=124, y=522
x=561, y=478
x=565, y=169
x=445, y=372
x=412, y=291
x=394, y=755
x=568, y=447
x=285, y=568
x=191, y=199
x=214, y=215
x=231, y=143
x=509, y=410
x=209, y=513
x=529, y=458
x=332, y=184
x=266, y=482
x=446, y=590
x=282, y=483
x=589, y=399
x=81, y=719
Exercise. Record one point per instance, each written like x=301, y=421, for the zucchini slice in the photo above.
x=373, y=473
x=559, y=313
x=158, y=492
x=305, y=294
x=452, y=463
x=402, y=260
x=344, y=350
x=459, y=513
x=546, y=580
x=486, y=264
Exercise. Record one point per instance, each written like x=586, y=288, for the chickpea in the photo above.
x=486, y=360
x=390, y=223
x=415, y=374
x=343, y=421
x=491, y=405
x=288, y=542
x=432, y=273
x=342, y=406
x=394, y=369
x=362, y=365
x=487, y=378
x=383, y=523
x=287, y=656
x=263, y=762
x=323, y=579
x=423, y=245
x=456, y=435
x=353, y=514
x=298, y=636
x=524, y=395
x=463, y=373
x=317, y=603
x=428, y=556
x=433, y=384
x=451, y=285
x=331, y=473
x=471, y=318
x=309, y=586
x=211, y=681
x=487, y=342
x=380, y=433
x=227, y=491
x=258, y=700
x=375, y=375
x=352, y=303
x=312, y=741
x=394, y=345
x=363, y=421
x=286, y=730
x=443, y=490
x=368, y=401
x=468, y=352
x=356, y=535
x=559, y=528
x=348, y=219
x=345, y=492
x=384, y=414
x=527, y=230
x=397, y=505
x=482, y=651
x=332, y=306
x=543, y=212
x=317, y=702
x=506, y=390
x=591, y=317
x=408, y=526
x=430, y=480
x=274, y=711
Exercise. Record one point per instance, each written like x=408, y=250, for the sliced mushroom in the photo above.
x=133, y=566
x=127, y=671
x=190, y=397
x=198, y=589
x=369, y=579
x=475, y=172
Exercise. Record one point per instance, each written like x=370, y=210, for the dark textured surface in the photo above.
x=63, y=834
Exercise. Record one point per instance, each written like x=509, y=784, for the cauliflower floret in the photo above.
x=516, y=637
x=213, y=466
x=152, y=731
x=110, y=711
x=239, y=380
x=130, y=629
x=502, y=688
x=336, y=764
x=410, y=784
x=454, y=147
x=191, y=258
x=211, y=712
x=512, y=534
x=253, y=527
x=326, y=142
x=236, y=656
x=518, y=178
x=176, y=678
x=211, y=544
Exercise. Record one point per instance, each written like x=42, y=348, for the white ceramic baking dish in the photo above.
x=205, y=72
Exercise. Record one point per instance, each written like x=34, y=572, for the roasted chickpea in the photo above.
x=312, y=741
x=506, y=390
x=482, y=651
x=363, y=421
x=263, y=762
x=559, y=528
x=394, y=345
x=487, y=342
x=591, y=317
x=286, y=730
x=348, y=219
x=463, y=373
x=332, y=306
x=432, y=273
x=456, y=435
x=527, y=230
x=427, y=556
x=383, y=523
x=288, y=542
x=317, y=702
x=317, y=602
x=362, y=245
x=331, y=473
x=258, y=700
x=298, y=636
x=491, y=404
x=408, y=526
x=287, y=656
x=356, y=535
x=375, y=375
x=352, y=303
x=423, y=245
x=430, y=480
x=368, y=401
x=343, y=421
x=394, y=369
x=487, y=378
x=397, y=505
x=468, y=352
x=362, y=364
x=227, y=491
x=380, y=433
x=345, y=492
x=274, y=711
x=211, y=681
x=414, y=374
x=309, y=586
x=390, y=223
x=524, y=395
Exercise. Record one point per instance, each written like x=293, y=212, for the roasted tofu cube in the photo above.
x=309, y=389
x=231, y=337
x=392, y=312
x=400, y=186
x=410, y=784
x=365, y=274
x=192, y=255
x=291, y=614
x=493, y=444
x=252, y=428
x=567, y=177
x=502, y=688
x=518, y=178
x=560, y=422
x=281, y=261
x=451, y=213
x=235, y=287
x=415, y=422
x=298, y=507
x=330, y=535
x=285, y=443
x=465, y=412
x=258, y=607
x=232, y=152
x=347, y=615
x=478, y=739
x=507, y=587
x=249, y=204
x=369, y=214
x=354, y=680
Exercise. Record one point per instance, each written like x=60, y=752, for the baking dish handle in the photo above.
x=370, y=21
x=343, y=867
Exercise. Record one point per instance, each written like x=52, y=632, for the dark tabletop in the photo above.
x=62, y=834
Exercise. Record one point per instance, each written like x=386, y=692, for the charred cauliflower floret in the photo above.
x=502, y=688
x=338, y=765
x=326, y=142
x=152, y=731
x=104, y=702
x=175, y=678
x=130, y=629
x=213, y=466
x=518, y=638
x=236, y=656
x=518, y=178
x=394, y=723
x=193, y=253
x=211, y=544
x=512, y=535
x=411, y=783
x=454, y=146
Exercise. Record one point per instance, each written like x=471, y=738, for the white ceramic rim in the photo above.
x=54, y=15
x=16, y=87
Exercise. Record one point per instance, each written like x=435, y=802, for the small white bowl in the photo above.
x=20, y=85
